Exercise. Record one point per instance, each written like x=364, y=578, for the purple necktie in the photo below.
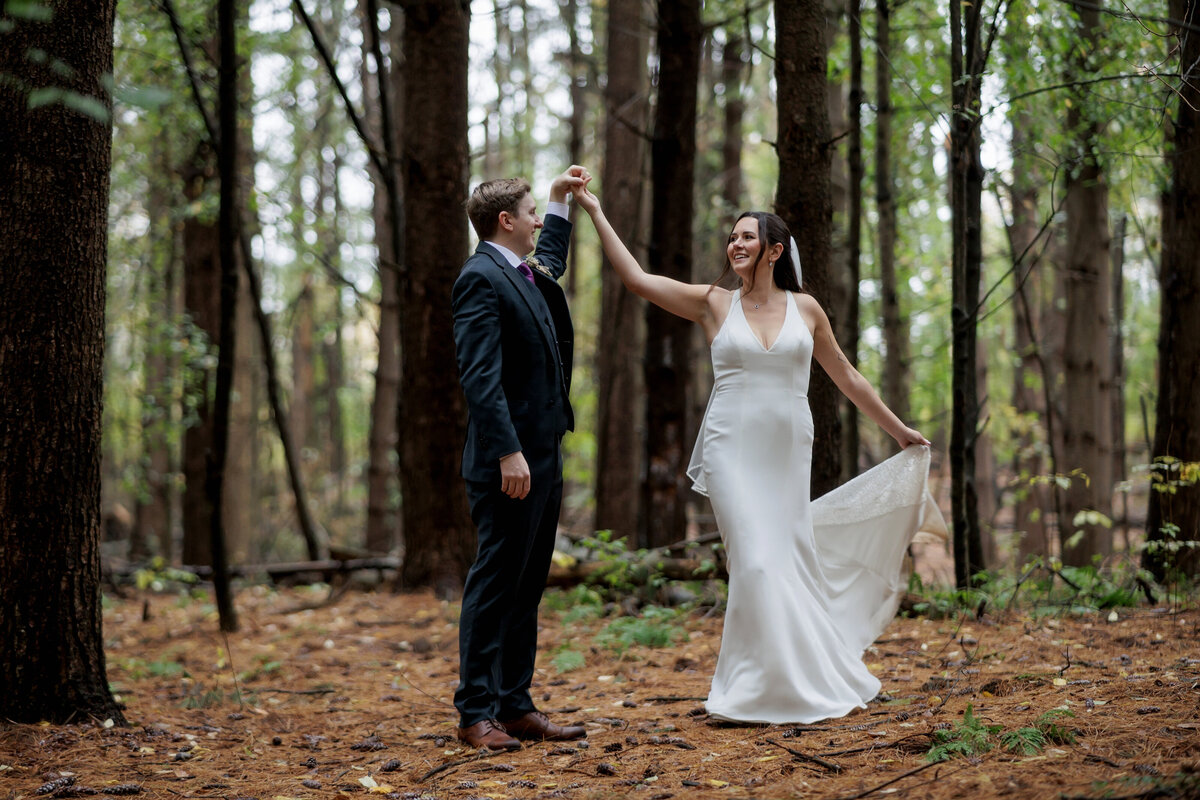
x=526, y=271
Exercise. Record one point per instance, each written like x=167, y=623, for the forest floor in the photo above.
x=352, y=697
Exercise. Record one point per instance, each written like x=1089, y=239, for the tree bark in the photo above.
x=382, y=476
x=848, y=336
x=439, y=538
x=1117, y=370
x=733, y=66
x=53, y=243
x=227, y=229
x=668, y=353
x=966, y=171
x=803, y=196
x=1176, y=516
x=1087, y=423
x=895, y=333
x=619, y=379
x=201, y=300
x=1032, y=501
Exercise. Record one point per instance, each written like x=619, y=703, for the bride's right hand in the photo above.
x=908, y=437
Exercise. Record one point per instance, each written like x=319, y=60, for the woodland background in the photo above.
x=233, y=227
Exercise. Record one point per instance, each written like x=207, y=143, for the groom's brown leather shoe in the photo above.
x=489, y=734
x=536, y=727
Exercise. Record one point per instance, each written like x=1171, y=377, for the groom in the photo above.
x=513, y=337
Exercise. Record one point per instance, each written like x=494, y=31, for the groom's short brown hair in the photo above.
x=490, y=198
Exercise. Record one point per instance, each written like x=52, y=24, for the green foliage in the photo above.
x=968, y=738
x=580, y=595
x=158, y=575
x=567, y=660
x=139, y=669
x=653, y=628
x=971, y=738
x=265, y=666
x=1045, y=587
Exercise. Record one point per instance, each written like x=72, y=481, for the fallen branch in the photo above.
x=885, y=784
x=827, y=765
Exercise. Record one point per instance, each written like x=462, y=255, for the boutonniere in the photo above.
x=533, y=262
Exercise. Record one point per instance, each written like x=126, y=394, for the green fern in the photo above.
x=568, y=661
x=1027, y=741
x=971, y=737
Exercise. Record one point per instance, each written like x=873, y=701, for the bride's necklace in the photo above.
x=756, y=305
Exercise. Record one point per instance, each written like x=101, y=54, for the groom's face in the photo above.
x=525, y=223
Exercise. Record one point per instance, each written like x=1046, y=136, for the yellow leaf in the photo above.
x=382, y=788
x=716, y=784
x=767, y=758
x=1060, y=681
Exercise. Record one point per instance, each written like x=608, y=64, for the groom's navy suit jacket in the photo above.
x=514, y=346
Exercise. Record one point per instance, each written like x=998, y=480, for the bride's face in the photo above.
x=744, y=248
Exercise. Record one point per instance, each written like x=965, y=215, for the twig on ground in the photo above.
x=828, y=765
x=459, y=763
x=885, y=784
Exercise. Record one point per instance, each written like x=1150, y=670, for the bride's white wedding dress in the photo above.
x=811, y=585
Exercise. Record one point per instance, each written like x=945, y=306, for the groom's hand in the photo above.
x=514, y=476
x=573, y=178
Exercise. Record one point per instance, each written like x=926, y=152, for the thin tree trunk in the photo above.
x=201, y=293
x=733, y=66
x=619, y=439
x=966, y=68
x=578, y=76
x=152, y=514
x=848, y=337
x=382, y=476
x=1031, y=505
x=53, y=242
x=227, y=227
x=1176, y=516
x=1087, y=355
x=803, y=196
x=304, y=383
x=439, y=538
x=895, y=335
x=668, y=351
x=1117, y=368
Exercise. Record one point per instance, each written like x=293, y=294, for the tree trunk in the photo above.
x=1087, y=423
x=382, y=476
x=304, y=380
x=439, y=537
x=1117, y=369
x=895, y=334
x=53, y=242
x=619, y=440
x=201, y=300
x=848, y=335
x=152, y=514
x=966, y=77
x=227, y=229
x=733, y=66
x=1176, y=516
x=577, y=72
x=803, y=196
x=668, y=353
x=1032, y=501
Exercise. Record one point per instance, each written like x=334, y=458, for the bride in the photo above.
x=811, y=585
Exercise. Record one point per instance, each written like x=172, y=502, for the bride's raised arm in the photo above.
x=686, y=300
x=851, y=382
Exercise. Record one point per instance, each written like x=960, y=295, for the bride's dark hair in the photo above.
x=772, y=230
